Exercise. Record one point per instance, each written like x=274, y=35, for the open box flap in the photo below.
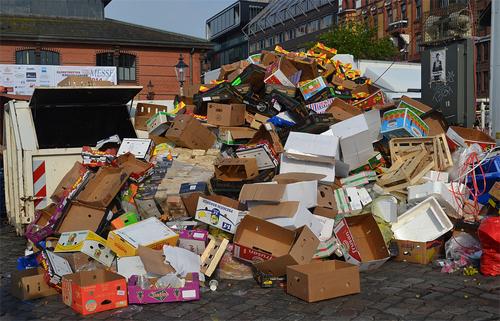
x=72, y=96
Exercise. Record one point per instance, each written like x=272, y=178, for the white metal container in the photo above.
x=423, y=223
x=33, y=168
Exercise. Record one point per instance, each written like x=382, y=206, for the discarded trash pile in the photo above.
x=292, y=169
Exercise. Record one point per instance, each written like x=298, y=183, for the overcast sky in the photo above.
x=182, y=16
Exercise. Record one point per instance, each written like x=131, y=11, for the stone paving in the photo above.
x=396, y=291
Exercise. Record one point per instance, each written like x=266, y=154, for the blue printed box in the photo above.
x=403, y=122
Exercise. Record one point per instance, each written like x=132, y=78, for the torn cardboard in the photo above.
x=236, y=169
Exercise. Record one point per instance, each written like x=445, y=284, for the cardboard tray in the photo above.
x=422, y=223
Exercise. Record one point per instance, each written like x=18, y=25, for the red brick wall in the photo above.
x=153, y=64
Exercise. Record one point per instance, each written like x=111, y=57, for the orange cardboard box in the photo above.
x=89, y=292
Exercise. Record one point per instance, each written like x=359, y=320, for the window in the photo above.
x=326, y=22
x=313, y=26
x=254, y=10
x=262, y=44
x=486, y=51
x=404, y=15
x=486, y=81
x=389, y=14
x=37, y=57
x=253, y=47
x=289, y=34
x=124, y=63
x=280, y=38
x=418, y=42
x=418, y=9
x=270, y=42
x=301, y=30
x=478, y=81
x=479, y=48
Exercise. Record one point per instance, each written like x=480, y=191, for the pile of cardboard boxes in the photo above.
x=291, y=163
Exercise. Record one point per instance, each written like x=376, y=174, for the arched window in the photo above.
x=37, y=57
x=124, y=63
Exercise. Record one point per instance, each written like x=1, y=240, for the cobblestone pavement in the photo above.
x=396, y=291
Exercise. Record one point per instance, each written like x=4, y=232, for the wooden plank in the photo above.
x=212, y=255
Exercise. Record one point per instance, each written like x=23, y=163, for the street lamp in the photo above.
x=180, y=73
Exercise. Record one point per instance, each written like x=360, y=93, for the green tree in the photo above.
x=360, y=41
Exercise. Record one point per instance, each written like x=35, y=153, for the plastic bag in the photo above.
x=489, y=235
x=463, y=246
x=232, y=269
x=170, y=281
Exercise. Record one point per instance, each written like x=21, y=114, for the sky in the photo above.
x=181, y=16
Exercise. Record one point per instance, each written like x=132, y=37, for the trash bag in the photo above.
x=489, y=235
x=462, y=246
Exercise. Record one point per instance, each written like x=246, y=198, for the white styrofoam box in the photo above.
x=386, y=207
x=444, y=194
x=290, y=165
x=423, y=223
x=312, y=145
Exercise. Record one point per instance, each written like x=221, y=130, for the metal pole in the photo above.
x=495, y=70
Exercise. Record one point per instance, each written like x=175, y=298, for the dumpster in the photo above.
x=44, y=138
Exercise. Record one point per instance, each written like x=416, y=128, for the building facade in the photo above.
x=225, y=30
x=291, y=24
x=32, y=32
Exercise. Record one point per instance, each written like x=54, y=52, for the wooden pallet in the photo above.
x=436, y=146
x=213, y=254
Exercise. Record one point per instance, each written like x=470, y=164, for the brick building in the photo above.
x=65, y=32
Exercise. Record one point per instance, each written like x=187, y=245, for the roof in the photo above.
x=107, y=31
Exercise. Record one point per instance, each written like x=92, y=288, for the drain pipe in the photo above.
x=191, y=66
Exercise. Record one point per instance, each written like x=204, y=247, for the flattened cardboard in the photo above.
x=414, y=105
x=236, y=169
x=67, y=182
x=322, y=280
x=88, y=292
x=86, y=242
x=154, y=261
x=272, y=246
x=103, y=187
x=271, y=193
x=289, y=178
x=151, y=233
x=436, y=122
x=362, y=242
x=30, y=284
x=188, y=132
x=226, y=114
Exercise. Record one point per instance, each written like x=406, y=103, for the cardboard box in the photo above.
x=189, y=292
x=375, y=97
x=226, y=114
x=82, y=217
x=141, y=148
x=464, y=137
x=273, y=193
x=327, y=248
x=86, y=242
x=143, y=112
x=282, y=72
x=321, y=107
x=55, y=267
x=150, y=233
x=355, y=140
x=402, y=122
x=323, y=280
x=126, y=219
x=311, y=87
x=418, y=252
x=193, y=240
x=362, y=242
x=103, y=187
x=154, y=261
x=310, y=153
x=414, y=105
x=79, y=261
x=66, y=183
x=290, y=215
x=220, y=212
x=272, y=248
x=267, y=132
x=148, y=208
x=191, y=202
x=89, y=292
x=158, y=123
x=188, y=132
x=236, y=169
x=236, y=133
x=30, y=284
x=342, y=110
x=44, y=223
x=137, y=169
x=264, y=156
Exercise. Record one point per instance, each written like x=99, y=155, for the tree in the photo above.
x=360, y=41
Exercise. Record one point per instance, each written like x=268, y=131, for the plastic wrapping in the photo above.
x=169, y=281
x=489, y=235
x=232, y=269
x=463, y=246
